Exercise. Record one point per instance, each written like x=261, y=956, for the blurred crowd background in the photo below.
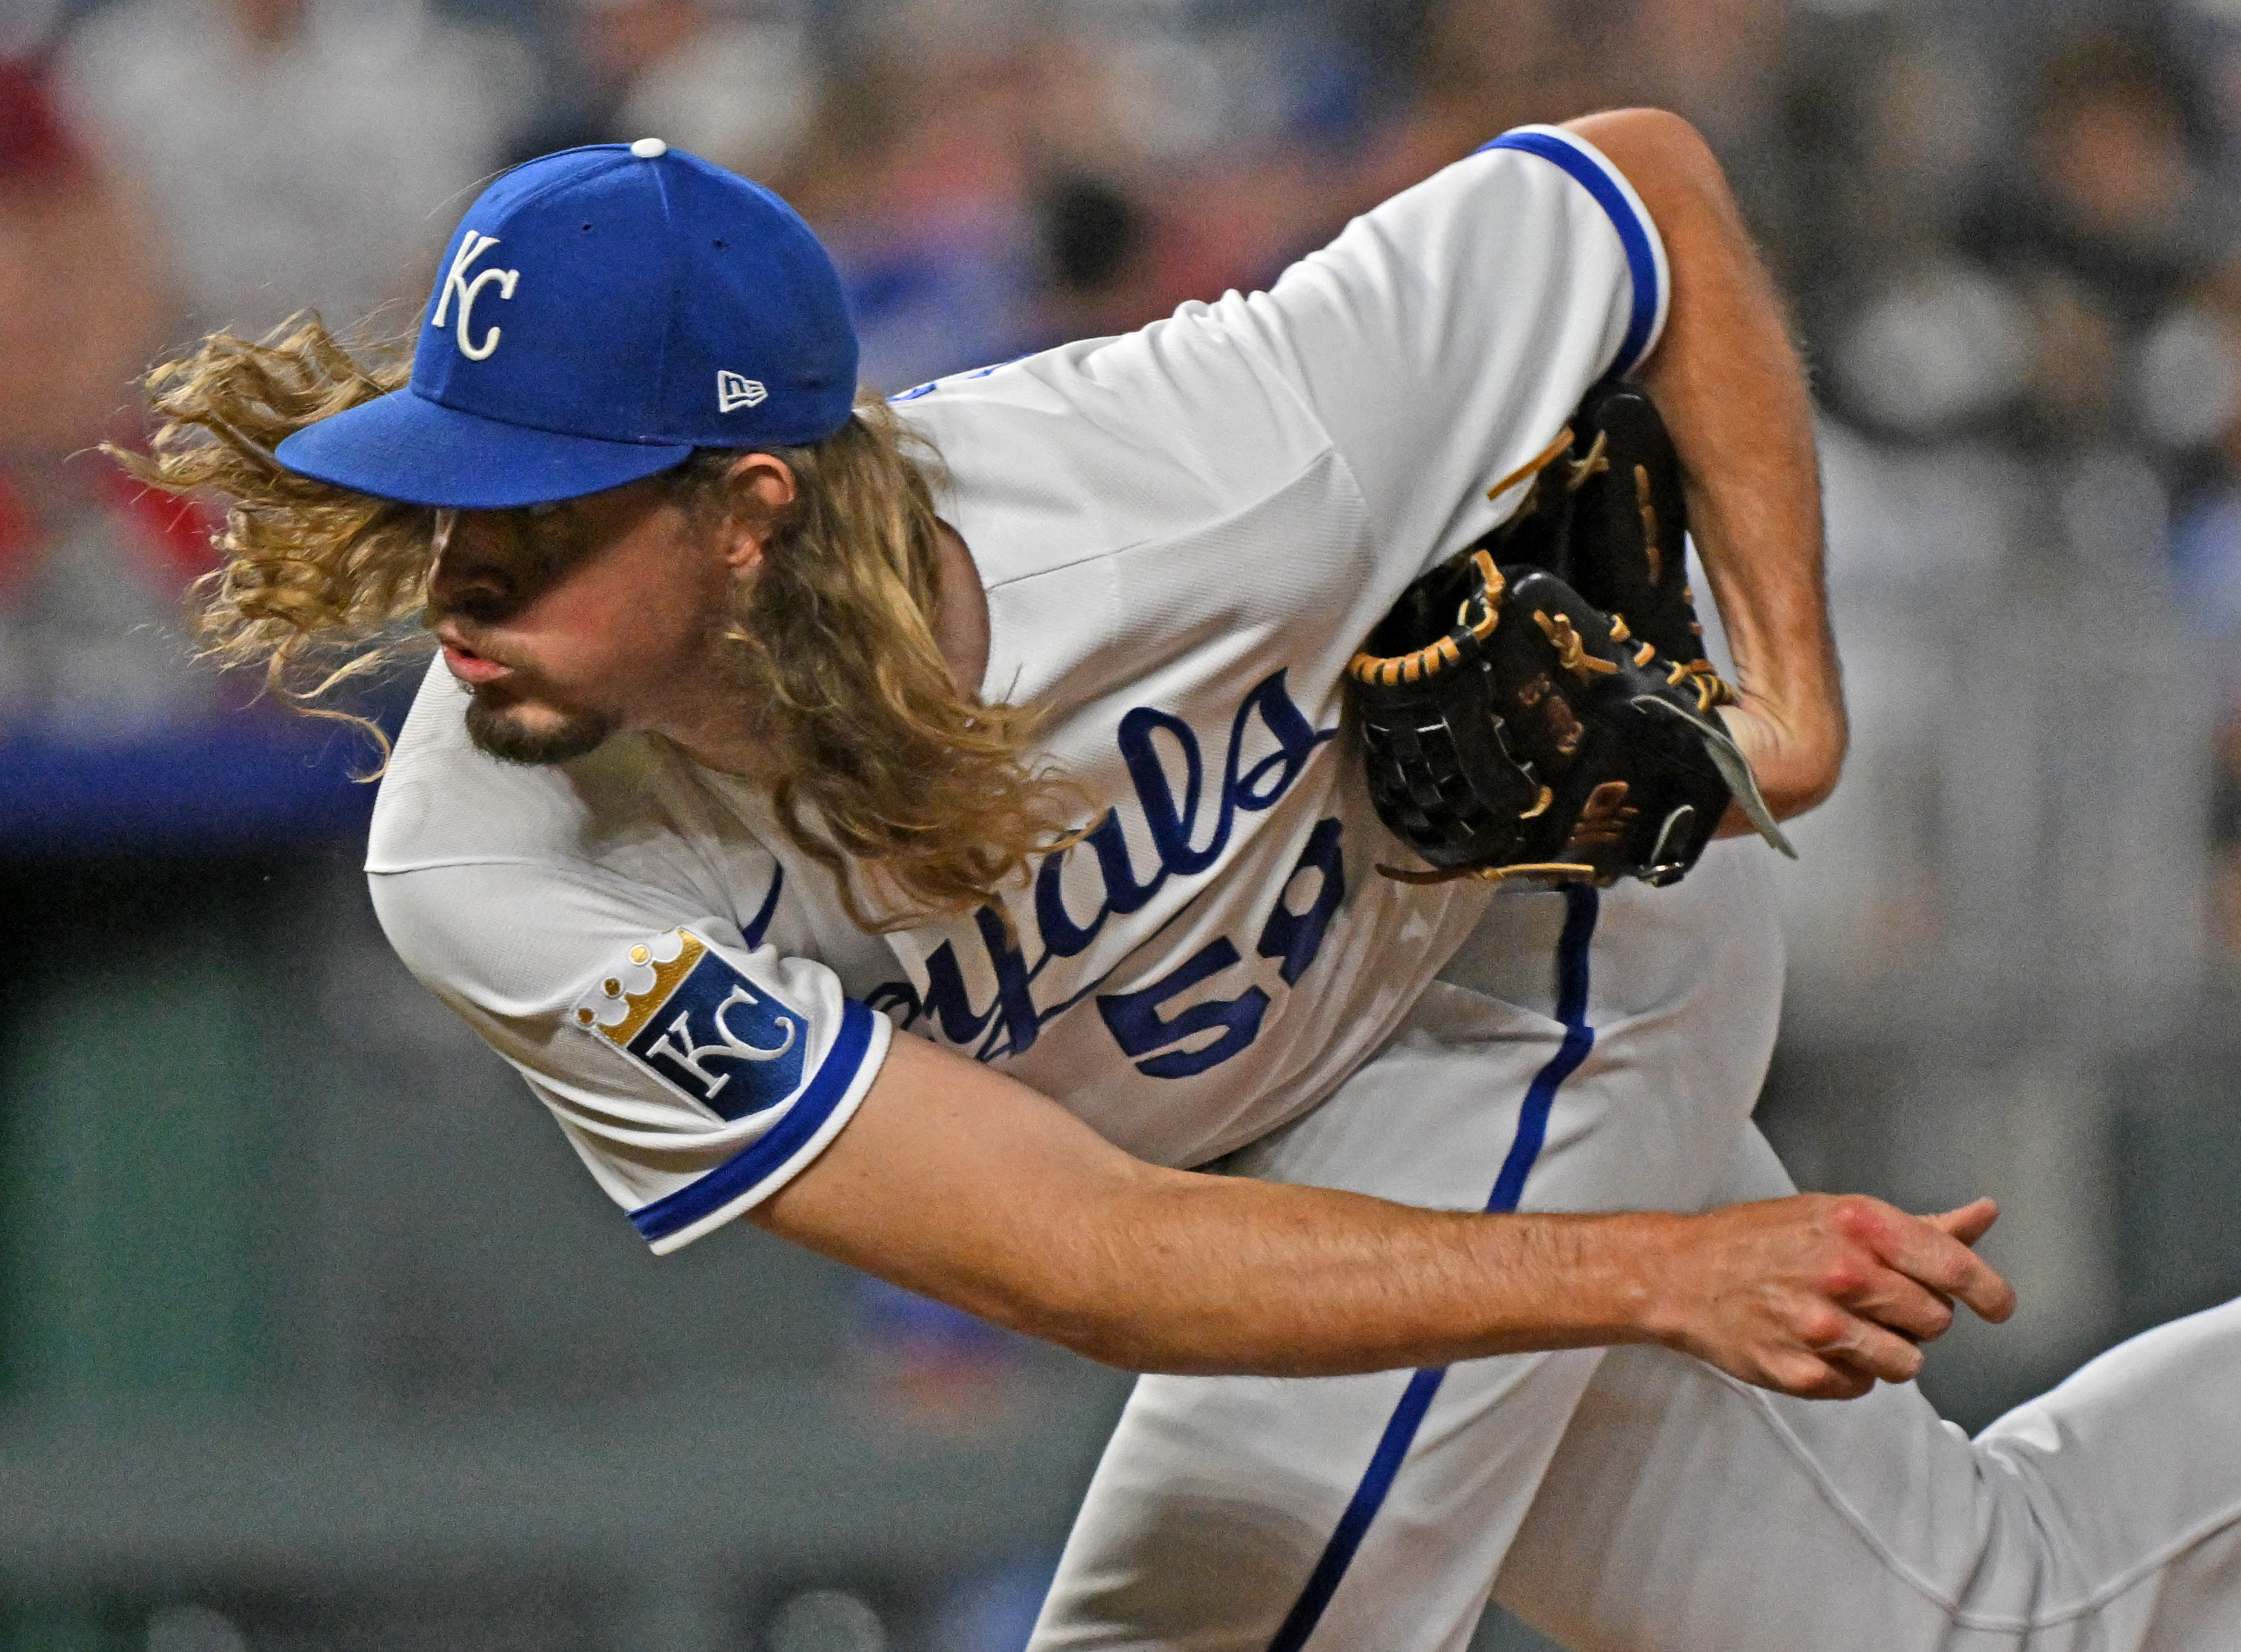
x=310, y=1334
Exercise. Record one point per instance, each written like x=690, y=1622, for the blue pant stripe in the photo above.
x=1580, y=906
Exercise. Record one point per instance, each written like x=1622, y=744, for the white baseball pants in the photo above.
x=1586, y=1054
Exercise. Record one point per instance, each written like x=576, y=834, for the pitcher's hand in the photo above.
x=1820, y=1295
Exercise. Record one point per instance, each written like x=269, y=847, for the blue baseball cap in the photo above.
x=598, y=314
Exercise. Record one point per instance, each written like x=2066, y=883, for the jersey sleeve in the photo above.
x=1444, y=337
x=695, y=1074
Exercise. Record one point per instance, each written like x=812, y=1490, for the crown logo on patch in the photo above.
x=618, y=1007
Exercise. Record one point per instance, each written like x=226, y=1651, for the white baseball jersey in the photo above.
x=1184, y=534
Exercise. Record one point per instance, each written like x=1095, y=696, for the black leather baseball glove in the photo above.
x=1540, y=705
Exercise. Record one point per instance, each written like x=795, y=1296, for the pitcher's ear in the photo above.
x=763, y=484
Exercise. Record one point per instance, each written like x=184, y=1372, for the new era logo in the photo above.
x=734, y=391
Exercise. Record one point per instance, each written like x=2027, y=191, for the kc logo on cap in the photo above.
x=457, y=284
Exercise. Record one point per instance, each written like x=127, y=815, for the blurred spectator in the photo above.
x=2113, y=191
x=1096, y=240
x=2071, y=304
x=2112, y=234
x=994, y=179
x=922, y=178
x=299, y=152
x=83, y=569
x=1723, y=65
x=1486, y=65
x=705, y=75
x=2126, y=259
x=1245, y=130
x=107, y=735
x=79, y=309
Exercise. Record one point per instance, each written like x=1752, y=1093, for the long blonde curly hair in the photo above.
x=879, y=763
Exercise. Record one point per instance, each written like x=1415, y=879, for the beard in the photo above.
x=505, y=732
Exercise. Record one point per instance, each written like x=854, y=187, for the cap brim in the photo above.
x=404, y=447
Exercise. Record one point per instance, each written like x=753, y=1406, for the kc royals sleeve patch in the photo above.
x=684, y=1013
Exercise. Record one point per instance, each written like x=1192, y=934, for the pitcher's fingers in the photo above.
x=1969, y=1223
x=1868, y=1348
x=1890, y=1299
x=1925, y=1252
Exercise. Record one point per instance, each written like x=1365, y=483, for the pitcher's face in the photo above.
x=567, y=623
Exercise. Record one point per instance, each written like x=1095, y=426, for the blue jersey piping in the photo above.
x=1580, y=904
x=1641, y=261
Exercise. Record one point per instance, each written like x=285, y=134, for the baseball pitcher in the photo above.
x=1205, y=846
